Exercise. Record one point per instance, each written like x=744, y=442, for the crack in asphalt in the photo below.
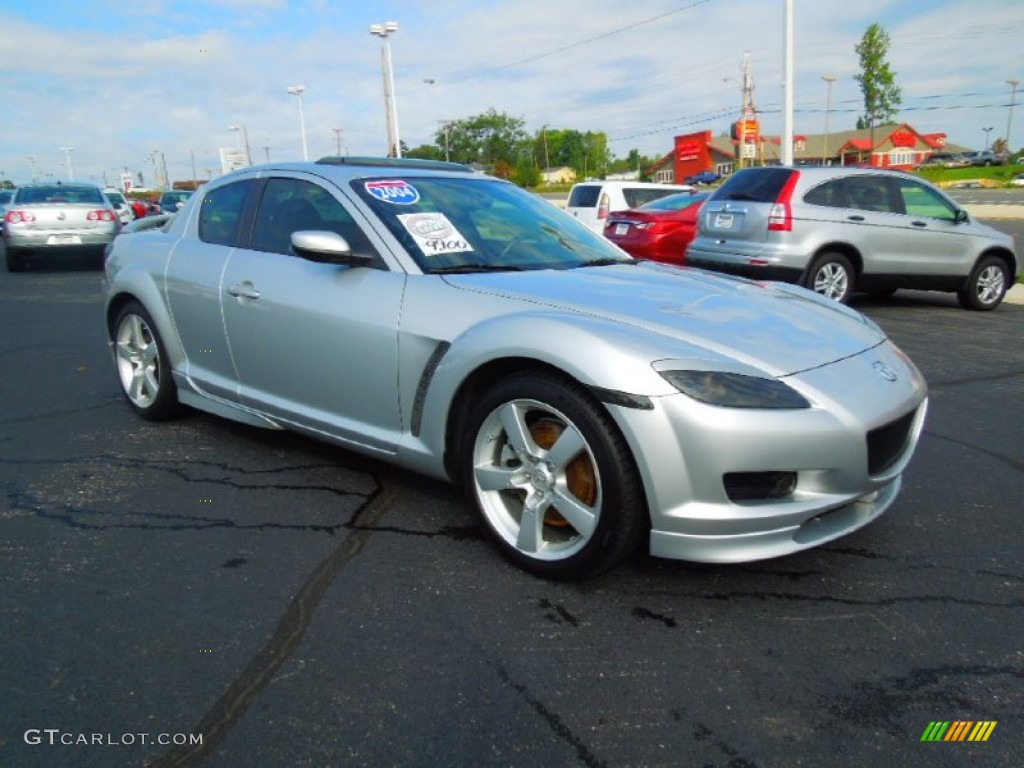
x=188, y=471
x=556, y=723
x=1011, y=461
x=60, y=413
x=242, y=693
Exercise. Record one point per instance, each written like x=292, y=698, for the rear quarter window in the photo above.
x=584, y=197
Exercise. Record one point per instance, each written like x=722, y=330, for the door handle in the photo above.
x=244, y=290
x=855, y=218
x=919, y=223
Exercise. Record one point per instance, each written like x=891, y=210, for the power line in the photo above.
x=578, y=44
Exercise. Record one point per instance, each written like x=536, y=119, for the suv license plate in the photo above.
x=724, y=220
x=621, y=229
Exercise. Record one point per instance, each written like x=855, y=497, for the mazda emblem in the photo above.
x=885, y=371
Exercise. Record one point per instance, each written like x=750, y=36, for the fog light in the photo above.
x=759, y=486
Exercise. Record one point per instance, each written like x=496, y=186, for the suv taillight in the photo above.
x=780, y=219
x=602, y=206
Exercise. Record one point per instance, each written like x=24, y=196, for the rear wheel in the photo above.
x=552, y=480
x=142, y=365
x=832, y=276
x=986, y=285
x=15, y=261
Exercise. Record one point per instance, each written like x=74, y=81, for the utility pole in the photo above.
x=337, y=138
x=1009, y=120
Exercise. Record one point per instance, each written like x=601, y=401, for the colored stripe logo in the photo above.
x=958, y=730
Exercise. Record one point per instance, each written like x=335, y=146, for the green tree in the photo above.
x=487, y=139
x=425, y=152
x=586, y=153
x=882, y=97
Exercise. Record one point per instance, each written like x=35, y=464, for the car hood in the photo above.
x=778, y=328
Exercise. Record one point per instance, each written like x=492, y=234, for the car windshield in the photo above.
x=60, y=193
x=176, y=197
x=675, y=202
x=480, y=224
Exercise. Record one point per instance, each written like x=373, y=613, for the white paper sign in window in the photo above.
x=434, y=233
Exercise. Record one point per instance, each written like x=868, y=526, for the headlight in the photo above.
x=735, y=390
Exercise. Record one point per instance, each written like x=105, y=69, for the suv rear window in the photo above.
x=584, y=197
x=758, y=185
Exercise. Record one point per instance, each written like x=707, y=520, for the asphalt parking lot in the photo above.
x=295, y=605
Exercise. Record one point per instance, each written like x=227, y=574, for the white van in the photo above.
x=592, y=201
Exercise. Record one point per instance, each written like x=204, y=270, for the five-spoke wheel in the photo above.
x=552, y=478
x=142, y=364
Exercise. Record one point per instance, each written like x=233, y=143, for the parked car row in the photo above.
x=834, y=230
x=980, y=158
x=71, y=218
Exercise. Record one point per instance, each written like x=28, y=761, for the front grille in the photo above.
x=887, y=443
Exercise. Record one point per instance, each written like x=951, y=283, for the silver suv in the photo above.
x=836, y=230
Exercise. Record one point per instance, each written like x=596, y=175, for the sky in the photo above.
x=138, y=83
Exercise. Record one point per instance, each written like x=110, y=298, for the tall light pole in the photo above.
x=297, y=90
x=1009, y=120
x=987, y=132
x=337, y=138
x=787, y=107
x=71, y=169
x=239, y=138
x=383, y=31
x=32, y=162
x=829, y=79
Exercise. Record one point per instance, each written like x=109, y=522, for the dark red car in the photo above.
x=659, y=230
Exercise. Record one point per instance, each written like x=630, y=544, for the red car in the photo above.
x=659, y=230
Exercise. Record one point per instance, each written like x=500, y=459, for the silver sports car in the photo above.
x=461, y=327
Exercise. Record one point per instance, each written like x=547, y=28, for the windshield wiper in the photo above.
x=607, y=262
x=457, y=268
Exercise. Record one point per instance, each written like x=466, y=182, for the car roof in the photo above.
x=347, y=168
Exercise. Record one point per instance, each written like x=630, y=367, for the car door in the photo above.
x=315, y=344
x=874, y=222
x=192, y=285
x=938, y=244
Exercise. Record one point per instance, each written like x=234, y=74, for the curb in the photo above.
x=1015, y=295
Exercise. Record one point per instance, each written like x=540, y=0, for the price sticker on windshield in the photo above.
x=434, y=233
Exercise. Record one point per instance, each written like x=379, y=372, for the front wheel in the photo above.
x=142, y=365
x=551, y=478
x=986, y=285
x=832, y=276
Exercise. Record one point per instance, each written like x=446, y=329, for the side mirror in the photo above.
x=961, y=217
x=326, y=248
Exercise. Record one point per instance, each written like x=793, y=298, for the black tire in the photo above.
x=143, y=369
x=831, y=275
x=538, y=437
x=986, y=286
x=15, y=261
